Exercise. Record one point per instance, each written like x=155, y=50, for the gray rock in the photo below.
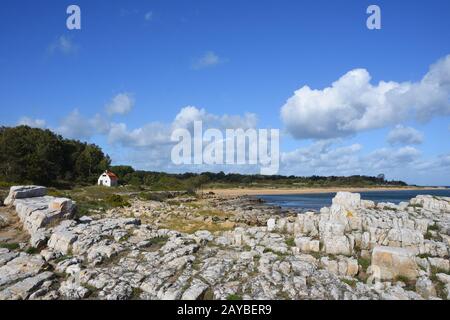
x=22, y=289
x=72, y=290
x=21, y=192
x=195, y=291
x=21, y=267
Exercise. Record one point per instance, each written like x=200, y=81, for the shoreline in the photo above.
x=235, y=192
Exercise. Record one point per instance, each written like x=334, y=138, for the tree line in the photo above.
x=32, y=155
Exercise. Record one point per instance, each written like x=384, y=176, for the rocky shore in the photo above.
x=224, y=248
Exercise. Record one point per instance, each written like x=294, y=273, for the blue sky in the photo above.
x=135, y=66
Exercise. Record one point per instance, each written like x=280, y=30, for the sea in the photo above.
x=315, y=201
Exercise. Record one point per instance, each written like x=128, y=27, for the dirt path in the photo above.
x=11, y=229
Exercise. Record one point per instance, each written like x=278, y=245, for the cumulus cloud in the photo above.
x=150, y=135
x=330, y=157
x=63, y=45
x=34, y=123
x=209, y=59
x=120, y=104
x=352, y=104
x=404, y=135
x=76, y=126
x=322, y=157
x=187, y=115
x=386, y=158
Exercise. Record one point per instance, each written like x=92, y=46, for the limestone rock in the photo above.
x=20, y=267
x=21, y=192
x=391, y=262
x=62, y=241
x=22, y=289
x=196, y=290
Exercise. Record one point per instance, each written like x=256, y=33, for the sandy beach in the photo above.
x=270, y=191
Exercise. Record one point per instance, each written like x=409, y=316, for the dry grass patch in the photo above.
x=191, y=226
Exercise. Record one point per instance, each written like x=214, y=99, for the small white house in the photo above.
x=108, y=179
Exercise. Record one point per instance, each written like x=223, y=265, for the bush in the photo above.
x=155, y=196
x=9, y=246
x=234, y=297
x=290, y=242
x=116, y=201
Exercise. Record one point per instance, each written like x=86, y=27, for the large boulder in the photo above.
x=22, y=192
x=347, y=200
x=39, y=212
x=389, y=263
x=431, y=203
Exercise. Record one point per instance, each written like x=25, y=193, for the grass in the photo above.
x=155, y=196
x=9, y=246
x=191, y=226
x=136, y=293
x=290, y=242
x=279, y=254
x=433, y=227
x=234, y=297
x=159, y=240
x=409, y=284
x=212, y=213
x=364, y=263
x=351, y=283
x=424, y=256
x=32, y=250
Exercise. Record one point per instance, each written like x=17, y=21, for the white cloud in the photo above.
x=321, y=158
x=187, y=115
x=34, y=123
x=63, y=45
x=76, y=126
x=386, y=158
x=120, y=104
x=325, y=158
x=352, y=104
x=150, y=135
x=209, y=59
x=404, y=135
x=148, y=16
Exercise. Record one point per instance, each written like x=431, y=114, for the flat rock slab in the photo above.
x=21, y=267
x=39, y=212
x=21, y=192
x=23, y=289
x=391, y=262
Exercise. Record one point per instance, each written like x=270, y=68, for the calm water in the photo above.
x=318, y=200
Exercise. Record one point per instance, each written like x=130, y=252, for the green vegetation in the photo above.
x=409, y=284
x=351, y=283
x=31, y=155
x=9, y=246
x=159, y=240
x=364, y=263
x=290, y=242
x=116, y=201
x=32, y=250
x=234, y=297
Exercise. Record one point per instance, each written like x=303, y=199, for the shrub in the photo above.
x=116, y=201
x=364, y=263
x=290, y=242
x=234, y=297
x=9, y=246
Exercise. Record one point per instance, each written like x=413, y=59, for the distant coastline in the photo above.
x=233, y=192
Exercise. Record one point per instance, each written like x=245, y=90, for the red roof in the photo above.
x=111, y=175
